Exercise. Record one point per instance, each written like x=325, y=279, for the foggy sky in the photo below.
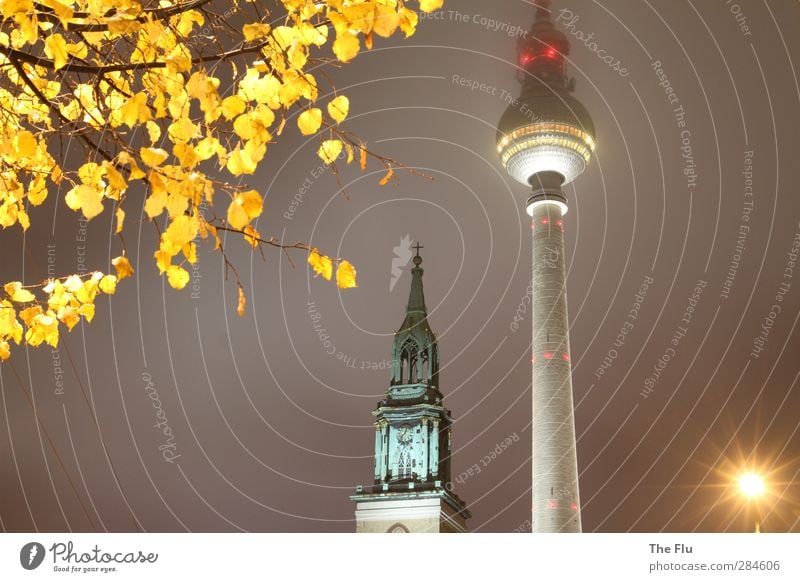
x=273, y=433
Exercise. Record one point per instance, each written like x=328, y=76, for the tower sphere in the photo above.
x=544, y=132
x=546, y=129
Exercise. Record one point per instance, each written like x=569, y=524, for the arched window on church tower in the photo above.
x=408, y=363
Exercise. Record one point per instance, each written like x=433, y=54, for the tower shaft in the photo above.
x=555, y=469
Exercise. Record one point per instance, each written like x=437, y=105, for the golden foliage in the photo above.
x=164, y=102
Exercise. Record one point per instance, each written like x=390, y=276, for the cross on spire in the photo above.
x=418, y=247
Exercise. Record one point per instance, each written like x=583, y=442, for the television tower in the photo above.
x=545, y=140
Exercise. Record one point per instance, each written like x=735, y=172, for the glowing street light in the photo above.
x=752, y=485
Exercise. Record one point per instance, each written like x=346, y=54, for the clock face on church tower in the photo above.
x=404, y=434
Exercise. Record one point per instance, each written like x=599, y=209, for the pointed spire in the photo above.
x=415, y=357
x=542, y=51
x=542, y=10
x=416, y=297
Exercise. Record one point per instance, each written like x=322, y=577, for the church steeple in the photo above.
x=412, y=490
x=415, y=355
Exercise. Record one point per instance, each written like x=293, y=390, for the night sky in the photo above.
x=680, y=233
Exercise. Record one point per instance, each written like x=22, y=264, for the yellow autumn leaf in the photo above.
x=240, y=308
x=233, y=106
x=360, y=17
x=17, y=294
x=55, y=47
x=252, y=236
x=183, y=130
x=330, y=150
x=153, y=131
x=26, y=144
x=285, y=36
x=386, y=21
x=240, y=162
x=69, y=316
x=346, y=275
x=430, y=5
x=43, y=328
x=123, y=267
x=255, y=30
x=163, y=260
x=310, y=121
x=155, y=203
x=244, y=208
x=339, y=108
x=85, y=198
x=153, y=157
x=87, y=311
x=408, y=21
x=321, y=264
x=346, y=46
x=177, y=276
x=207, y=147
x=190, y=252
x=108, y=284
x=136, y=111
x=5, y=350
x=180, y=232
x=387, y=177
x=37, y=192
x=10, y=327
x=63, y=11
x=363, y=157
x=120, y=215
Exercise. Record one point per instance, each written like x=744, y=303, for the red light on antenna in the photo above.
x=552, y=504
x=574, y=507
x=548, y=355
x=545, y=221
x=565, y=357
x=526, y=58
x=551, y=53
